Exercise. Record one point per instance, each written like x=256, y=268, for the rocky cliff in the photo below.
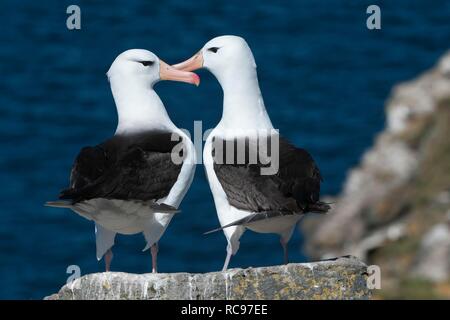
x=342, y=278
x=394, y=210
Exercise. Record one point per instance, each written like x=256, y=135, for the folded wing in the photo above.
x=127, y=168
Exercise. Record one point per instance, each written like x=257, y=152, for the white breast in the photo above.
x=225, y=212
x=183, y=183
x=186, y=175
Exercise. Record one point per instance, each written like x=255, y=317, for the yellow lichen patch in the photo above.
x=106, y=285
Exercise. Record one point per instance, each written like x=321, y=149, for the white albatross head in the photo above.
x=225, y=57
x=144, y=66
x=132, y=76
x=231, y=61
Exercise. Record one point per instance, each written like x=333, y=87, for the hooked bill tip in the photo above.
x=196, y=79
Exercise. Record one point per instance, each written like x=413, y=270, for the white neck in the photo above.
x=243, y=104
x=139, y=108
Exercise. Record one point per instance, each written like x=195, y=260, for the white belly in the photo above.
x=124, y=217
x=278, y=225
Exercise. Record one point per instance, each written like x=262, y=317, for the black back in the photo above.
x=126, y=167
x=293, y=189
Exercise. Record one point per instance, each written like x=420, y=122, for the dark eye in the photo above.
x=147, y=63
x=213, y=49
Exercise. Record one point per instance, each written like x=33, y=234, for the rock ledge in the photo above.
x=340, y=278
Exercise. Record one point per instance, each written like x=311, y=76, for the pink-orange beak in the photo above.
x=167, y=72
x=191, y=64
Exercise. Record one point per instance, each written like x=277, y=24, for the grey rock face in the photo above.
x=433, y=259
x=394, y=209
x=391, y=163
x=342, y=278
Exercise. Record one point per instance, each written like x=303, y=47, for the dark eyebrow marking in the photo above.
x=146, y=63
x=213, y=49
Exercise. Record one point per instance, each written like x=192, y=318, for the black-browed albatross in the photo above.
x=134, y=181
x=246, y=198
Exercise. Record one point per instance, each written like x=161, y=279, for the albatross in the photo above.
x=134, y=181
x=245, y=196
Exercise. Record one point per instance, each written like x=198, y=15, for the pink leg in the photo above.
x=227, y=259
x=154, y=251
x=285, y=250
x=108, y=257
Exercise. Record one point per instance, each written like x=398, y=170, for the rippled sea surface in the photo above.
x=324, y=77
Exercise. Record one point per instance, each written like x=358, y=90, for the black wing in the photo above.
x=295, y=188
x=137, y=167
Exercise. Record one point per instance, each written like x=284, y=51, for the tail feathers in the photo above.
x=157, y=207
x=163, y=208
x=59, y=204
x=318, y=207
x=235, y=223
x=215, y=230
x=253, y=218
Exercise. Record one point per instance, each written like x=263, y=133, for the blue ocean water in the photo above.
x=323, y=74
